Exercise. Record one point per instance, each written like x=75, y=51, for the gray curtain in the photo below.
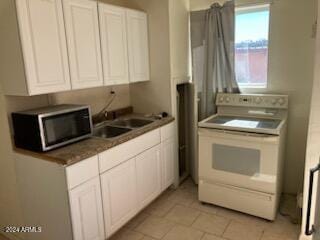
x=212, y=41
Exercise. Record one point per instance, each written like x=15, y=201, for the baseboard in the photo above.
x=304, y=237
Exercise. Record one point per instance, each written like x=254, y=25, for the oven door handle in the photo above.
x=309, y=231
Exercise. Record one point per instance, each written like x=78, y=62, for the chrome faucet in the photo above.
x=103, y=114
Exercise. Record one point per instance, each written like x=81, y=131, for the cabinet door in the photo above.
x=114, y=44
x=86, y=211
x=138, y=45
x=119, y=195
x=148, y=176
x=44, y=47
x=167, y=162
x=82, y=28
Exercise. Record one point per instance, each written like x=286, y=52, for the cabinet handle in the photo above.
x=309, y=231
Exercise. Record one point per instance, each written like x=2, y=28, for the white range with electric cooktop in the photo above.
x=241, y=153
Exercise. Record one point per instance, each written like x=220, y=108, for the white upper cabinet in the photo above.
x=58, y=45
x=138, y=45
x=86, y=211
x=82, y=28
x=44, y=46
x=114, y=44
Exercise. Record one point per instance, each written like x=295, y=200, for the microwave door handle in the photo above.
x=309, y=231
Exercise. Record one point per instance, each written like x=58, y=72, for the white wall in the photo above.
x=10, y=211
x=290, y=72
x=95, y=97
x=313, y=146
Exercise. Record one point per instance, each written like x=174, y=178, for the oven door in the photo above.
x=239, y=159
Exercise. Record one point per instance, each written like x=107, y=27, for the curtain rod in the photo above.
x=253, y=3
x=245, y=4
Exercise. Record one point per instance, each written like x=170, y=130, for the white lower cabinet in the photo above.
x=92, y=199
x=167, y=162
x=130, y=185
x=148, y=172
x=119, y=195
x=86, y=211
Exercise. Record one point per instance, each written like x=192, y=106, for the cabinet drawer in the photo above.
x=167, y=131
x=82, y=171
x=127, y=150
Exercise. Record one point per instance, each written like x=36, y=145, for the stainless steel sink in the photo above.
x=111, y=129
x=107, y=131
x=131, y=122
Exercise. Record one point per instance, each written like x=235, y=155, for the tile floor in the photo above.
x=178, y=215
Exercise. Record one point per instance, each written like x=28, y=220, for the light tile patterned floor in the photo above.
x=178, y=215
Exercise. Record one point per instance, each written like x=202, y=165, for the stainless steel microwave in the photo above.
x=51, y=127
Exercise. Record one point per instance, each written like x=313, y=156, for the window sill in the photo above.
x=253, y=90
x=252, y=86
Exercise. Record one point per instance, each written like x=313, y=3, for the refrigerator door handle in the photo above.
x=309, y=231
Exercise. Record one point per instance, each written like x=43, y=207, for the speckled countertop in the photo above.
x=78, y=151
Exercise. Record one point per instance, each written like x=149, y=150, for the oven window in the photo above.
x=64, y=127
x=244, y=161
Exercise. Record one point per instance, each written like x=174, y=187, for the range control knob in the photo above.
x=273, y=101
x=221, y=99
x=227, y=99
x=281, y=101
x=258, y=100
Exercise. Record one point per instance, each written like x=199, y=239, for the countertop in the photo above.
x=90, y=147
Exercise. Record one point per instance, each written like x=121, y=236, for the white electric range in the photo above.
x=241, y=153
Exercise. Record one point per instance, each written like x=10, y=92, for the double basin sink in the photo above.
x=118, y=127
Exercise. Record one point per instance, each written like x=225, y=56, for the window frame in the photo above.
x=252, y=9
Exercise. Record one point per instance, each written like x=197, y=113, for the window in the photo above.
x=251, y=46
